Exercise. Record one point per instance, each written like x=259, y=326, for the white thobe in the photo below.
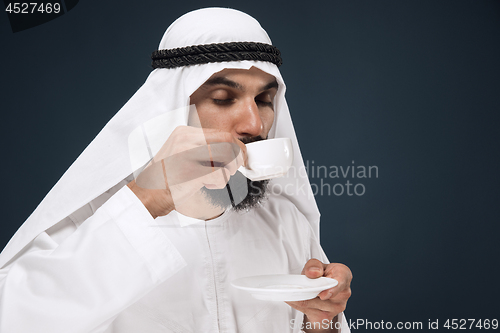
x=124, y=272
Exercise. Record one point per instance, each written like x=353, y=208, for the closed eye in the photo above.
x=265, y=99
x=264, y=103
x=223, y=101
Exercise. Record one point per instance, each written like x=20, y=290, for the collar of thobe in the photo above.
x=186, y=221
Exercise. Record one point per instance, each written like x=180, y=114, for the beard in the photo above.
x=240, y=192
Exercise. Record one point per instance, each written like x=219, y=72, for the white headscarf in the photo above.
x=106, y=161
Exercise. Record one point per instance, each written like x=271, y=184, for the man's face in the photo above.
x=237, y=101
x=240, y=102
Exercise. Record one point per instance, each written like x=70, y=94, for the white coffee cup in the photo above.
x=268, y=159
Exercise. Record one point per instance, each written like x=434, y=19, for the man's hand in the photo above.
x=329, y=303
x=191, y=158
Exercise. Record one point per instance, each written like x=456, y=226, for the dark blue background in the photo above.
x=412, y=87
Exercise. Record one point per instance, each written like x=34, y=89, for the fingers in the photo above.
x=342, y=291
x=338, y=271
x=217, y=179
x=315, y=314
x=187, y=137
x=200, y=136
x=328, y=294
x=223, y=154
x=213, y=136
x=328, y=306
x=223, y=147
x=342, y=274
x=242, y=154
x=313, y=269
x=339, y=294
x=192, y=158
x=197, y=162
x=314, y=303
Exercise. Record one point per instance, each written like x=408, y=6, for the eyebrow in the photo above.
x=271, y=85
x=224, y=81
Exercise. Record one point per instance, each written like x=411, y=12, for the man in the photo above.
x=137, y=236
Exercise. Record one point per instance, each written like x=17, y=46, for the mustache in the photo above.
x=246, y=139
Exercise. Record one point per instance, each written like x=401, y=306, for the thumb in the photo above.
x=313, y=269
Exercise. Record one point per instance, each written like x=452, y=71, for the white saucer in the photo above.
x=284, y=287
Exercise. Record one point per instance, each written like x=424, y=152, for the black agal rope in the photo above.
x=220, y=52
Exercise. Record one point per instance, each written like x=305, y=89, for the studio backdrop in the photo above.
x=396, y=109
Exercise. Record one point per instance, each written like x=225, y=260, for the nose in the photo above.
x=249, y=122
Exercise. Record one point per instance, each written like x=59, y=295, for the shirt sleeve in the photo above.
x=82, y=282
